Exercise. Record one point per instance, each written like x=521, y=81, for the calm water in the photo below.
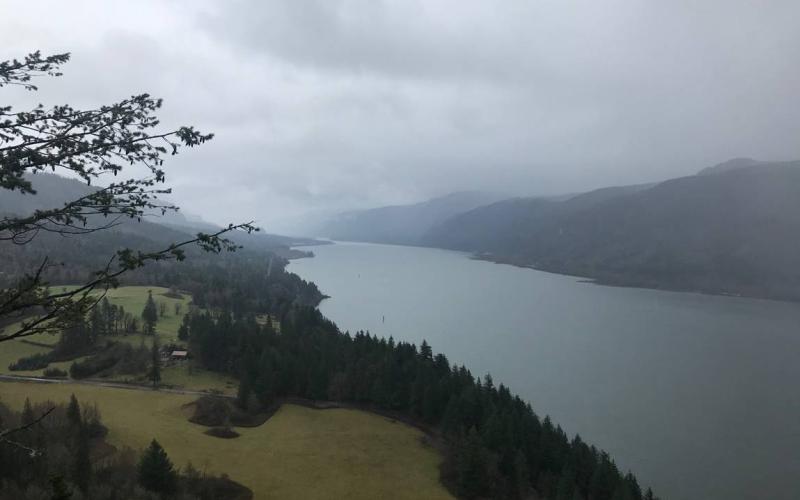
x=697, y=395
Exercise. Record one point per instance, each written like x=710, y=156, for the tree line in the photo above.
x=64, y=456
x=496, y=445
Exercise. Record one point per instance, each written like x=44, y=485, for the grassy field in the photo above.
x=299, y=453
x=132, y=298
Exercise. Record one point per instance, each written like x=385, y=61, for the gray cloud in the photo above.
x=328, y=105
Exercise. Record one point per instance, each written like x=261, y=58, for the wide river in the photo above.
x=697, y=395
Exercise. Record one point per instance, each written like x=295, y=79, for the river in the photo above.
x=696, y=394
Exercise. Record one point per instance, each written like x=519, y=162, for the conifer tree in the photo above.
x=521, y=475
x=27, y=413
x=59, y=489
x=566, y=485
x=155, y=365
x=97, y=323
x=156, y=472
x=150, y=314
x=244, y=392
x=74, y=413
x=425, y=350
x=183, y=330
x=471, y=464
x=82, y=467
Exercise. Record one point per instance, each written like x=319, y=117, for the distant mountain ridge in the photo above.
x=401, y=224
x=53, y=191
x=733, y=228
x=734, y=164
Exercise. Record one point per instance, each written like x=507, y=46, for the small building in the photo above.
x=179, y=355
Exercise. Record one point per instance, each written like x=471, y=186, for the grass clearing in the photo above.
x=185, y=376
x=13, y=350
x=299, y=453
x=132, y=298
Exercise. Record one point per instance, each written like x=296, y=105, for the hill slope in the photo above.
x=348, y=453
x=401, y=224
x=736, y=231
x=54, y=190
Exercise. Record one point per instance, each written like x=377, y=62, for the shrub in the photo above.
x=33, y=362
x=93, y=366
x=55, y=373
x=122, y=358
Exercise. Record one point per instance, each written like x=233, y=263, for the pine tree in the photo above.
x=471, y=467
x=27, y=413
x=150, y=314
x=82, y=467
x=183, y=330
x=121, y=317
x=74, y=413
x=59, y=489
x=521, y=476
x=155, y=365
x=425, y=350
x=565, y=489
x=244, y=392
x=96, y=324
x=156, y=472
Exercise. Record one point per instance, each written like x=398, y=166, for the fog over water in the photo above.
x=695, y=394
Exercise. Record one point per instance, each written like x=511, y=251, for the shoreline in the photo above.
x=631, y=284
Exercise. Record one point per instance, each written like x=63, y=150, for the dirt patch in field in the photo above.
x=222, y=432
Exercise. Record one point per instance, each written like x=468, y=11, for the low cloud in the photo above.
x=331, y=105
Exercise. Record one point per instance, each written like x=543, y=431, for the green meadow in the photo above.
x=132, y=298
x=299, y=453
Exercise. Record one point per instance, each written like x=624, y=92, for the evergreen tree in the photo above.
x=471, y=467
x=121, y=319
x=156, y=472
x=244, y=392
x=27, y=413
x=97, y=323
x=74, y=413
x=150, y=314
x=183, y=330
x=59, y=489
x=425, y=350
x=82, y=467
x=565, y=489
x=521, y=477
x=155, y=365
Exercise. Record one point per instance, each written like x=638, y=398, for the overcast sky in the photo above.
x=331, y=105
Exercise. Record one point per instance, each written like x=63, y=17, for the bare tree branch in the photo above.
x=33, y=452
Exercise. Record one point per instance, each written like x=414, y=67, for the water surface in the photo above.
x=696, y=394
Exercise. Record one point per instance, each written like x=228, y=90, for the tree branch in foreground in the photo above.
x=43, y=312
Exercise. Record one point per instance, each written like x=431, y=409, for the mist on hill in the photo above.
x=326, y=107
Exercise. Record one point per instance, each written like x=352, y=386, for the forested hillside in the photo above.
x=401, y=224
x=86, y=253
x=53, y=191
x=734, y=230
x=495, y=445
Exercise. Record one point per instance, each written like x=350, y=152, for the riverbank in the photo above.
x=627, y=368
x=622, y=281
